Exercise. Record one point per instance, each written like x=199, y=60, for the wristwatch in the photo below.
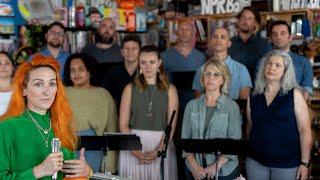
x=306, y=164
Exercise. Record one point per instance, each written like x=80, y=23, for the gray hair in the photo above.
x=222, y=67
x=288, y=80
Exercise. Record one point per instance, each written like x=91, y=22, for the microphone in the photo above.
x=55, y=147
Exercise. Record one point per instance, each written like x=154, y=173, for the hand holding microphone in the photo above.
x=55, y=147
x=51, y=165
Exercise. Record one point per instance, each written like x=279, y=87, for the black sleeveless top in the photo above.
x=274, y=137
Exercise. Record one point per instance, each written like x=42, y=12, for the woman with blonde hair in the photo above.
x=212, y=115
x=38, y=111
x=146, y=107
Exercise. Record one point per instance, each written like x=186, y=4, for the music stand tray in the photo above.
x=216, y=146
x=111, y=141
x=225, y=146
x=101, y=176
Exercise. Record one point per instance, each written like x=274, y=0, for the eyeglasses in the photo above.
x=53, y=33
x=211, y=74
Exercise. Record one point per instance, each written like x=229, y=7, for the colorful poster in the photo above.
x=6, y=9
x=119, y=17
x=6, y=25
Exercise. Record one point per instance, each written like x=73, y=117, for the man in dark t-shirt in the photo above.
x=248, y=48
x=105, y=50
x=119, y=75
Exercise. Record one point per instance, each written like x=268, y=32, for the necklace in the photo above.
x=149, y=102
x=43, y=132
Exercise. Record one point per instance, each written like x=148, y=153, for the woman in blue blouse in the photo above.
x=212, y=115
x=278, y=123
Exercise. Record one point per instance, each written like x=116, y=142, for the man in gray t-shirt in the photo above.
x=105, y=50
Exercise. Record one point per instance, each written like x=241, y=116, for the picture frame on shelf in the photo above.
x=61, y=15
x=6, y=9
x=6, y=25
x=36, y=9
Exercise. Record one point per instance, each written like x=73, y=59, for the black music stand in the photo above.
x=111, y=141
x=216, y=146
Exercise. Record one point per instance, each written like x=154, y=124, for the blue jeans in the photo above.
x=255, y=170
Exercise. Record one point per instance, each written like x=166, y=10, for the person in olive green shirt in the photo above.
x=95, y=112
x=38, y=112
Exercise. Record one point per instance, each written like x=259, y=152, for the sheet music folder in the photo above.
x=225, y=146
x=112, y=141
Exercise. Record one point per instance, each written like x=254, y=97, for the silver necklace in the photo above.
x=149, y=102
x=45, y=131
x=42, y=131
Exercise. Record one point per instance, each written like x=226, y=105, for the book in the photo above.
x=201, y=30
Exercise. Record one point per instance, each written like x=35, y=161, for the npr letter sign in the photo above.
x=223, y=6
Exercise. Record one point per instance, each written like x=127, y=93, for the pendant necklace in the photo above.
x=43, y=132
x=149, y=101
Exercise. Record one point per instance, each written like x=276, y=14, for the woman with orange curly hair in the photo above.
x=38, y=112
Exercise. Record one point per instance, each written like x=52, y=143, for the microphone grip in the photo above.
x=55, y=147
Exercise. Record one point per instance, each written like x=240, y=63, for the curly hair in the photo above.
x=60, y=110
x=89, y=62
x=288, y=80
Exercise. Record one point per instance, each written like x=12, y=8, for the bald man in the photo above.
x=240, y=83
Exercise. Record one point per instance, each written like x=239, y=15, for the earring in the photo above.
x=140, y=71
x=158, y=71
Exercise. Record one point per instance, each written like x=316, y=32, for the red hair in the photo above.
x=60, y=110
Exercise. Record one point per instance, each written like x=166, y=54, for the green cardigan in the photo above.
x=22, y=147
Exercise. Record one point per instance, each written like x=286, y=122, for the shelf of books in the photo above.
x=205, y=24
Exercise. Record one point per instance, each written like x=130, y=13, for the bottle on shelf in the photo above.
x=131, y=21
x=141, y=20
x=71, y=15
x=80, y=16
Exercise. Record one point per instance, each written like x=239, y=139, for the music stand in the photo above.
x=216, y=146
x=111, y=141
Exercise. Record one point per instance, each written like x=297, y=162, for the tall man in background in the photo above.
x=248, y=48
x=181, y=62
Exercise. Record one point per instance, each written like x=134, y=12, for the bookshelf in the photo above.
x=209, y=22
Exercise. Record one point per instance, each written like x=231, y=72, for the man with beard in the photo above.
x=54, y=41
x=247, y=48
x=105, y=50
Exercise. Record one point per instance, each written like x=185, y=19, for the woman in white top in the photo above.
x=6, y=71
